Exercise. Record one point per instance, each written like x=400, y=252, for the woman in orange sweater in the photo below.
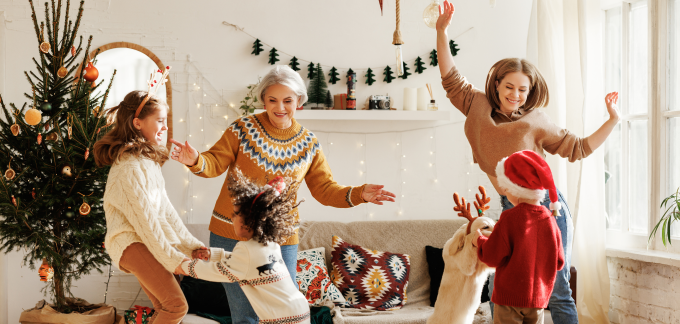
x=264, y=146
x=504, y=120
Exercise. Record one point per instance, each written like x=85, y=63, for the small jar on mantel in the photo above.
x=432, y=106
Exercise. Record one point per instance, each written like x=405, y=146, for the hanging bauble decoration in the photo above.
x=39, y=139
x=14, y=201
x=45, y=271
x=45, y=47
x=9, y=174
x=69, y=213
x=33, y=193
x=15, y=129
x=62, y=72
x=73, y=50
x=96, y=111
x=33, y=116
x=431, y=14
x=66, y=171
x=51, y=137
x=91, y=73
x=46, y=106
x=87, y=153
x=84, y=209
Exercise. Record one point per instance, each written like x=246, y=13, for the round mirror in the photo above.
x=133, y=65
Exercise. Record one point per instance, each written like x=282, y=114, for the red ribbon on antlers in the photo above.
x=464, y=208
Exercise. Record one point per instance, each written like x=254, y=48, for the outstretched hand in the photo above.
x=375, y=194
x=184, y=153
x=446, y=11
x=610, y=99
x=202, y=253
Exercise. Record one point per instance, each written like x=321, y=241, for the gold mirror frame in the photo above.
x=159, y=64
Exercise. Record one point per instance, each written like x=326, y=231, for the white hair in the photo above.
x=284, y=75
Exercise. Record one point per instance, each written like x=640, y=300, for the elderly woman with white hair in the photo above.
x=264, y=146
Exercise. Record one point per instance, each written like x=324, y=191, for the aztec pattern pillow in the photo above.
x=312, y=277
x=369, y=279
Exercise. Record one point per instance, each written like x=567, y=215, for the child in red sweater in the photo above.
x=525, y=246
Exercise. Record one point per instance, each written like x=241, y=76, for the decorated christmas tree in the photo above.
x=433, y=58
x=454, y=47
x=333, y=75
x=311, y=71
x=406, y=72
x=51, y=192
x=257, y=47
x=369, y=77
x=420, y=65
x=273, y=56
x=317, y=87
x=294, y=64
x=388, y=74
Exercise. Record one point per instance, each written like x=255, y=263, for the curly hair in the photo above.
x=270, y=217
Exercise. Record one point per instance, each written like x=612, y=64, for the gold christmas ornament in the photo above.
x=66, y=171
x=62, y=72
x=15, y=129
x=96, y=111
x=87, y=153
x=45, y=47
x=9, y=174
x=33, y=116
x=51, y=137
x=14, y=201
x=84, y=209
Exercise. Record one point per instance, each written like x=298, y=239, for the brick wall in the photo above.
x=643, y=292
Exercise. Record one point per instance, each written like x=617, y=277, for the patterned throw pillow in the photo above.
x=312, y=277
x=369, y=279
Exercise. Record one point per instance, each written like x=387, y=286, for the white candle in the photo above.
x=410, y=99
x=423, y=98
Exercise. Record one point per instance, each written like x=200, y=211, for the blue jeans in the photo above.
x=241, y=311
x=562, y=306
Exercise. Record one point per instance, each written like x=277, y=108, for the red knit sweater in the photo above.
x=525, y=247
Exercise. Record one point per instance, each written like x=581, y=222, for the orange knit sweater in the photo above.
x=263, y=152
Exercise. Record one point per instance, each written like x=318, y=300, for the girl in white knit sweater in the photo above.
x=145, y=236
x=263, y=216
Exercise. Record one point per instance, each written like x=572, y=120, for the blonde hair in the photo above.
x=124, y=137
x=538, y=91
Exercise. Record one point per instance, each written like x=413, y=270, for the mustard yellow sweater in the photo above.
x=263, y=152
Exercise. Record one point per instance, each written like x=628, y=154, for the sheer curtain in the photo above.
x=565, y=39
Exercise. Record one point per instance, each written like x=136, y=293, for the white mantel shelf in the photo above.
x=440, y=115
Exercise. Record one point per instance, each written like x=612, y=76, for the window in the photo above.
x=642, y=62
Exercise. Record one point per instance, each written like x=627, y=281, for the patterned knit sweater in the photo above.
x=264, y=278
x=263, y=152
x=138, y=210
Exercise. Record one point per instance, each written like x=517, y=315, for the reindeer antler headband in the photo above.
x=464, y=211
x=152, y=90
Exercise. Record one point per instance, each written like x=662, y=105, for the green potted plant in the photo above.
x=249, y=102
x=672, y=213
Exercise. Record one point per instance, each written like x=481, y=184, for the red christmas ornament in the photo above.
x=33, y=193
x=87, y=153
x=39, y=139
x=91, y=72
x=73, y=51
x=14, y=201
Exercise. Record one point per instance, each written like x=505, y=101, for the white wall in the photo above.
x=340, y=33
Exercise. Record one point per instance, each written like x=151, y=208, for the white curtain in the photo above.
x=565, y=39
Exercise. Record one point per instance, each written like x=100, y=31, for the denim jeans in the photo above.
x=562, y=306
x=241, y=310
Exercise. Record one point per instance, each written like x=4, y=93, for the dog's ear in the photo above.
x=463, y=253
x=458, y=242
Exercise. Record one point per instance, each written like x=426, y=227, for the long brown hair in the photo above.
x=124, y=137
x=538, y=92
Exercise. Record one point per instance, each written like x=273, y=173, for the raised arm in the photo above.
x=444, y=56
x=223, y=266
x=213, y=162
x=596, y=139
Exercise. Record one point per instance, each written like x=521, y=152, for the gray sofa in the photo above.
x=408, y=236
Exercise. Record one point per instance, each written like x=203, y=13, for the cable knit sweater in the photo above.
x=263, y=152
x=138, y=210
x=264, y=278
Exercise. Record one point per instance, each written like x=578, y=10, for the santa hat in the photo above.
x=525, y=174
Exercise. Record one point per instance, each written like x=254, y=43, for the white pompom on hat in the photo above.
x=525, y=174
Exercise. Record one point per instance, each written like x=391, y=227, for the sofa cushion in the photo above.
x=369, y=279
x=313, y=279
x=435, y=267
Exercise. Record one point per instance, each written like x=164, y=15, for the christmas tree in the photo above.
x=272, y=56
x=317, y=87
x=369, y=77
x=311, y=70
x=333, y=75
x=294, y=64
x=433, y=58
x=329, y=99
x=406, y=72
x=420, y=65
x=257, y=47
x=454, y=47
x=51, y=194
x=388, y=74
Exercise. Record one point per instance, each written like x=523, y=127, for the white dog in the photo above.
x=464, y=275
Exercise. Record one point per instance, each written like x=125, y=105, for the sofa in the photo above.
x=407, y=236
